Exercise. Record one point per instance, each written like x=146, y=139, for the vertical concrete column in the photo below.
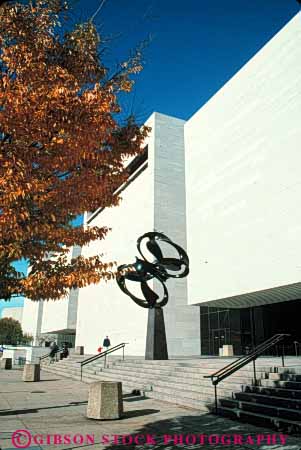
x=182, y=321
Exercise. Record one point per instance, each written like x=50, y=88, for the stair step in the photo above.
x=195, y=387
x=106, y=376
x=116, y=375
x=201, y=397
x=292, y=370
x=67, y=370
x=183, y=368
x=268, y=399
x=279, y=383
x=277, y=391
x=198, y=393
x=290, y=377
x=260, y=419
x=182, y=401
x=174, y=371
x=262, y=408
x=155, y=372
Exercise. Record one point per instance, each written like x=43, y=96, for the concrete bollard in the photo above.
x=275, y=376
x=228, y=350
x=105, y=400
x=79, y=350
x=31, y=372
x=6, y=363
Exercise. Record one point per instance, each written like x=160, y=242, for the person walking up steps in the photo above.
x=106, y=343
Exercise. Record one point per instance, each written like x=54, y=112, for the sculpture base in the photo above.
x=156, y=345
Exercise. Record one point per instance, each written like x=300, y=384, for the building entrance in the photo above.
x=219, y=326
x=249, y=327
x=220, y=337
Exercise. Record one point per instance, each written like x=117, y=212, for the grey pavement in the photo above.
x=57, y=405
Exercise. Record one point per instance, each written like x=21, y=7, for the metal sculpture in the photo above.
x=143, y=271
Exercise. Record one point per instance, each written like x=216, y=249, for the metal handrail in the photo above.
x=47, y=355
x=102, y=355
x=231, y=368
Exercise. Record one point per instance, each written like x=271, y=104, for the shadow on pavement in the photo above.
x=13, y=412
x=139, y=413
x=135, y=398
x=184, y=433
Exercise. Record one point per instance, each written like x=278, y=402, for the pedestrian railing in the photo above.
x=47, y=355
x=231, y=368
x=102, y=355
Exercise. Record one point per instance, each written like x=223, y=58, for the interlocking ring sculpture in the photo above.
x=161, y=269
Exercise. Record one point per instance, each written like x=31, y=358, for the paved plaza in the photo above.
x=56, y=406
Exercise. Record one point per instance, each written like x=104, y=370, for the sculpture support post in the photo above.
x=143, y=271
x=156, y=344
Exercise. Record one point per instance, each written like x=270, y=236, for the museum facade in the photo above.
x=225, y=185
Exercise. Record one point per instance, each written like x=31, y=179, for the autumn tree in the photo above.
x=62, y=146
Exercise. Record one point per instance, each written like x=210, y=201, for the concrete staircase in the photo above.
x=176, y=381
x=274, y=402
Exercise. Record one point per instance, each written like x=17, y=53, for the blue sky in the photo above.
x=193, y=47
x=196, y=46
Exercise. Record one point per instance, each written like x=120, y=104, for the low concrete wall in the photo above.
x=31, y=354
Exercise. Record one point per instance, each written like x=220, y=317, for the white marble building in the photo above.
x=153, y=200
x=243, y=157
